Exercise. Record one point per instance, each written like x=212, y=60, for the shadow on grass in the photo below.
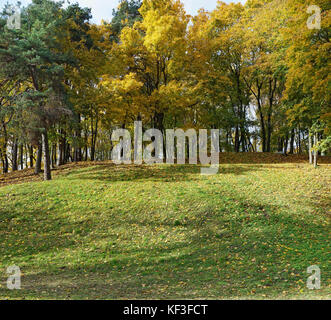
x=164, y=173
x=222, y=254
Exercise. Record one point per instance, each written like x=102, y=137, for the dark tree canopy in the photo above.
x=125, y=15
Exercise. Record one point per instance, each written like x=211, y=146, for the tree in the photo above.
x=151, y=53
x=307, y=82
x=37, y=56
x=126, y=15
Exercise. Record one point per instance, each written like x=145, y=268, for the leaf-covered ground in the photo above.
x=99, y=231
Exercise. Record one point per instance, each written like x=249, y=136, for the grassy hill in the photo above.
x=102, y=231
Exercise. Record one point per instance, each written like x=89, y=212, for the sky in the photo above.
x=102, y=9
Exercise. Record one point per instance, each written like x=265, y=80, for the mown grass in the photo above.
x=165, y=232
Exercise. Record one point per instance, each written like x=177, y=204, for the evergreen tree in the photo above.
x=126, y=15
x=35, y=54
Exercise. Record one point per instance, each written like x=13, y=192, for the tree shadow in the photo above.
x=162, y=173
x=222, y=254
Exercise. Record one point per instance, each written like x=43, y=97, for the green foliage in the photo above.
x=255, y=71
x=126, y=15
x=32, y=56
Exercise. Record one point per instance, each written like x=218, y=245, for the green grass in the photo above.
x=166, y=232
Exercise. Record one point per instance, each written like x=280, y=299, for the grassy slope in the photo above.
x=167, y=232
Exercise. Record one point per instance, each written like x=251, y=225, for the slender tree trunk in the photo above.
x=251, y=146
x=37, y=168
x=93, y=152
x=263, y=133
x=280, y=144
x=31, y=156
x=158, y=119
x=85, y=153
x=78, y=149
x=258, y=97
x=269, y=132
x=4, y=159
x=299, y=141
x=54, y=155
x=236, y=140
x=68, y=156
x=62, y=143
x=21, y=156
x=5, y=164
x=47, y=160
x=85, y=145
x=286, y=145
x=94, y=137
x=26, y=156
x=243, y=140
x=310, y=150
x=272, y=90
x=292, y=142
x=14, y=155
x=316, y=151
x=60, y=158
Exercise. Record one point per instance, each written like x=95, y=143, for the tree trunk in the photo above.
x=94, y=131
x=280, y=144
x=292, y=142
x=263, y=133
x=271, y=95
x=4, y=159
x=158, y=121
x=21, y=156
x=26, y=156
x=31, y=156
x=286, y=145
x=14, y=155
x=54, y=155
x=37, y=168
x=78, y=149
x=67, y=156
x=3, y=164
x=269, y=131
x=257, y=96
x=86, y=145
x=310, y=150
x=92, y=152
x=243, y=139
x=85, y=153
x=236, y=140
x=315, y=151
x=299, y=141
x=47, y=159
x=62, y=143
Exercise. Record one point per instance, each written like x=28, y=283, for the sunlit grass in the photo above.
x=126, y=232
